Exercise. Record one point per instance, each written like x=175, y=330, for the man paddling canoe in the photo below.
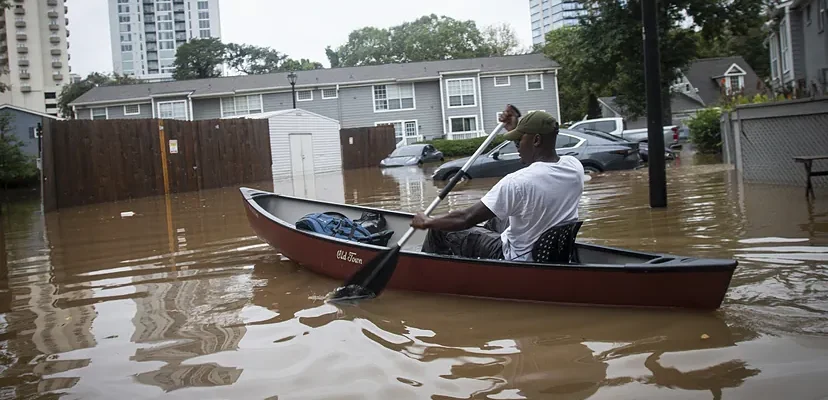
x=544, y=194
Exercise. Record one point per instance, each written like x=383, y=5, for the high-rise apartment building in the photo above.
x=34, y=54
x=548, y=15
x=146, y=33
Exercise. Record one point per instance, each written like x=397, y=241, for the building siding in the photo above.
x=83, y=113
x=206, y=109
x=495, y=98
x=358, y=109
x=798, y=43
x=464, y=111
x=22, y=125
x=117, y=112
x=815, y=48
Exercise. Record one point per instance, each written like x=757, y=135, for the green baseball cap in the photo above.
x=533, y=123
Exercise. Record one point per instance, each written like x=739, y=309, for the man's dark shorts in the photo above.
x=476, y=242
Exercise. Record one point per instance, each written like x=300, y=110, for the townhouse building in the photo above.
x=453, y=99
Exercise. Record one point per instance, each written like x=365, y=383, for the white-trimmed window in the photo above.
x=304, y=95
x=497, y=119
x=100, y=113
x=403, y=130
x=329, y=93
x=463, y=124
x=461, y=92
x=734, y=79
x=504, y=80
x=241, y=105
x=172, y=109
x=394, y=97
x=132, y=109
x=534, y=82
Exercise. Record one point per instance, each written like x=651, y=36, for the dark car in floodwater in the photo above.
x=597, y=151
x=413, y=154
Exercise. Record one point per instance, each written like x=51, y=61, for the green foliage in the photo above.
x=199, y=58
x=252, y=60
x=575, y=85
x=427, y=38
x=706, y=130
x=609, y=46
x=72, y=91
x=15, y=167
x=463, y=147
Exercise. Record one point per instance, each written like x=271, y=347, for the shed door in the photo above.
x=301, y=154
x=301, y=164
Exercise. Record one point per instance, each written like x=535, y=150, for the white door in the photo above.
x=301, y=164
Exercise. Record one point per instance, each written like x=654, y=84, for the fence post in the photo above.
x=48, y=181
x=164, y=170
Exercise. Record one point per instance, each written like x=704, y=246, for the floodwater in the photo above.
x=181, y=300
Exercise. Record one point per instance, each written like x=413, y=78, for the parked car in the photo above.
x=644, y=150
x=413, y=154
x=616, y=126
x=597, y=151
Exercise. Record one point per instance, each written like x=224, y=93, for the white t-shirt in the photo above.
x=535, y=198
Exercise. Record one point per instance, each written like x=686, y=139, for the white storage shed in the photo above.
x=306, y=154
x=302, y=142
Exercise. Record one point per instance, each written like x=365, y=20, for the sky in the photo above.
x=295, y=28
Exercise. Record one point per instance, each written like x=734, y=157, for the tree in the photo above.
x=74, y=90
x=252, y=60
x=15, y=167
x=428, y=38
x=565, y=46
x=613, y=48
x=199, y=58
x=501, y=40
x=300, y=65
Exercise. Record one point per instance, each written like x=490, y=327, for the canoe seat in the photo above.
x=557, y=245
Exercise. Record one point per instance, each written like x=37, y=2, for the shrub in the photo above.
x=706, y=130
x=463, y=147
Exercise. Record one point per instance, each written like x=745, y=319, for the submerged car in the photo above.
x=597, y=151
x=413, y=154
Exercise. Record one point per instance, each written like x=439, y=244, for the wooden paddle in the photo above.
x=370, y=280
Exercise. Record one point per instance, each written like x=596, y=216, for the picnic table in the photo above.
x=807, y=161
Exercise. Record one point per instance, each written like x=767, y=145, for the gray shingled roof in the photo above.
x=678, y=102
x=326, y=76
x=703, y=73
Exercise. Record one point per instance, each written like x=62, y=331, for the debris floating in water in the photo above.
x=705, y=336
x=127, y=214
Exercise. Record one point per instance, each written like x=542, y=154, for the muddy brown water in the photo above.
x=181, y=300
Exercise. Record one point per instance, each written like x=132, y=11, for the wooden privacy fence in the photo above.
x=366, y=147
x=94, y=161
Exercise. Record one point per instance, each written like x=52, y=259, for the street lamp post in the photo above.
x=292, y=79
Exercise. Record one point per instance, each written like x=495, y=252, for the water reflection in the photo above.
x=182, y=300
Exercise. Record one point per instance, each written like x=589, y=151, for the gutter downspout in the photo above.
x=442, y=106
x=190, y=106
x=480, y=104
x=557, y=97
x=339, y=107
x=152, y=102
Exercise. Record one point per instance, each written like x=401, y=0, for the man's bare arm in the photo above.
x=455, y=220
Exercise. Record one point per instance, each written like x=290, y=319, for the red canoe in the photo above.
x=605, y=276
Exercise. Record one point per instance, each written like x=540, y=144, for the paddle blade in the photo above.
x=371, y=279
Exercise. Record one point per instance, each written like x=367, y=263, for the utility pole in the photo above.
x=655, y=132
